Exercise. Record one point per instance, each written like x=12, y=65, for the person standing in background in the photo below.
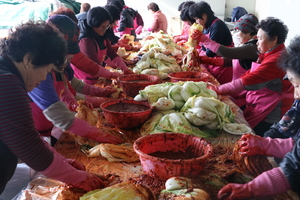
x=217, y=31
x=84, y=8
x=126, y=24
x=159, y=22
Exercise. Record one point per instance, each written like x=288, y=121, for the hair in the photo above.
x=274, y=27
x=65, y=11
x=97, y=15
x=290, y=59
x=84, y=7
x=184, y=15
x=122, y=2
x=198, y=9
x=44, y=43
x=180, y=6
x=153, y=6
x=114, y=11
x=116, y=3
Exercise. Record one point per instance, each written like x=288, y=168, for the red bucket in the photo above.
x=165, y=155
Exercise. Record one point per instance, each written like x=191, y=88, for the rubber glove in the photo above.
x=179, y=38
x=73, y=105
x=60, y=170
x=216, y=61
x=256, y=145
x=235, y=86
x=269, y=183
x=97, y=91
x=208, y=43
x=74, y=163
x=84, y=129
x=121, y=65
x=97, y=101
x=139, y=30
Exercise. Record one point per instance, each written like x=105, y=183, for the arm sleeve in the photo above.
x=290, y=167
x=17, y=129
x=78, y=85
x=44, y=95
x=153, y=26
x=89, y=47
x=248, y=51
x=85, y=64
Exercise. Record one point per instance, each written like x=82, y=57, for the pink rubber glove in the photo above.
x=121, y=65
x=216, y=61
x=84, y=129
x=97, y=101
x=68, y=98
x=73, y=105
x=74, y=163
x=179, y=38
x=97, y=91
x=256, y=145
x=269, y=183
x=235, y=86
x=60, y=170
x=139, y=30
x=105, y=73
x=208, y=43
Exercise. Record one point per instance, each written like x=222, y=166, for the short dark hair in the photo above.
x=290, y=59
x=153, y=6
x=65, y=11
x=180, y=6
x=116, y=3
x=185, y=16
x=200, y=8
x=114, y=11
x=44, y=43
x=274, y=27
x=97, y=15
x=84, y=7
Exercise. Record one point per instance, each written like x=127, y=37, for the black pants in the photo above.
x=261, y=128
x=8, y=164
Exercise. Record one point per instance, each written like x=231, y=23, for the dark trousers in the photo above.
x=8, y=164
x=261, y=128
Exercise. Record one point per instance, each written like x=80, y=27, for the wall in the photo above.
x=286, y=10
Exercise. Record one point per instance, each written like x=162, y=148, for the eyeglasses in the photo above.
x=105, y=27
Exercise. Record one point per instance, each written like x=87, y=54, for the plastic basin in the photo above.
x=126, y=113
x=188, y=76
x=133, y=83
x=175, y=147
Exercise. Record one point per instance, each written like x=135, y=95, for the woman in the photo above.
x=217, y=31
x=25, y=61
x=159, y=22
x=287, y=175
x=94, y=43
x=53, y=94
x=80, y=60
x=242, y=56
x=115, y=14
x=268, y=96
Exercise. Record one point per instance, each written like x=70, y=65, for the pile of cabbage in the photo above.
x=158, y=56
x=185, y=107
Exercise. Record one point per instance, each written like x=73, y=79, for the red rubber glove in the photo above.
x=256, y=145
x=269, y=183
x=180, y=38
x=216, y=61
x=121, y=65
x=208, y=43
x=97, y=91
x=74, y=163
x=68, y=98
x=84, y=129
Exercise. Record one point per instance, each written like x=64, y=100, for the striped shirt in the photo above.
x=17, y=129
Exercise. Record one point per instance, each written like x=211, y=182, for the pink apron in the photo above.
x=88, y=78
x=42, y=124
x=261, y=103
x=222, y=74
x=237, y=72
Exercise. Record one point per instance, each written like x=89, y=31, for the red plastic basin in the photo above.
x=126, y=113
x=133, y=83
x=175, y=147
x=188, y=76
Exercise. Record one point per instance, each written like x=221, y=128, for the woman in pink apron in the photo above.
x=217, y=31
x=241, y=57
x=94, y=44
x=269, y=96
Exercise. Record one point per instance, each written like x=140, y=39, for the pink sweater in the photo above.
x=160, y=22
